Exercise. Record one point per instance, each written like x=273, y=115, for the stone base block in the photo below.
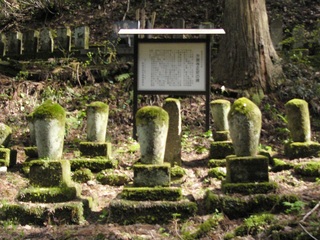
x=150, y=175
x=221, y=136
x=217, y=163
x=221, y=149
x=95, y=149
x=249, y=188
x=243, y=206
x=49, y=194
x=247, y=169
x=152, y=212
x=31, y=152
x=50, y=173
x=55, y=214
x=151, y=194
x=301, y=149
x=94, y=164
x=4, y=157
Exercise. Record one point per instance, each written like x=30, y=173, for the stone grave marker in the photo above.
x=46, y=42
x=173, y=146
x=297, y=113
x=81, y=37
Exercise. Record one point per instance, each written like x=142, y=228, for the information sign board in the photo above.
x=171, y=66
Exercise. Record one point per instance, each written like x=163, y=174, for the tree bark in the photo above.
x=247, y=59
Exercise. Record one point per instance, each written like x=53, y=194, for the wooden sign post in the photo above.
x=171, y=66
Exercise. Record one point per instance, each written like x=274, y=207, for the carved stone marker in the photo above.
x=46, y=42
x=49, y=122
x=173, y=145
x=81, y=37
x=97, y=121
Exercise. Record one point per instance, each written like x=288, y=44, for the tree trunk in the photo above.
x=247, y=59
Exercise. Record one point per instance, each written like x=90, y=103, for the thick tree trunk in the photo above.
x=247, y=59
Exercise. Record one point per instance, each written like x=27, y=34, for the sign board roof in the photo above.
x=171, y=31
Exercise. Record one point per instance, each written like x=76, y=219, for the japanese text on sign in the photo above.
x=171, y=67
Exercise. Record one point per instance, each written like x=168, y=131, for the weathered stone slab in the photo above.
x=151, y=175
x=81, y=37
x=63, y=39
x=247, y=169
x=46, y=42
x=30, y=43
x=14, y=43
x=173, y=145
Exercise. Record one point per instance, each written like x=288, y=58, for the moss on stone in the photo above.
x=243, y=206
x=177, y=172
x=109, y=177
x=153, y=212
x=216, y=172
x=95, y=149
x=243, y=106
x=50, y=110
x=35, y=214
x=99, y=107
x=96, y=164
x=221, y=149
x=249, y=188
x=49, y=194
x=151, y=175
x=301, y=149
x=151, y=114
x=308, y=169
x=151, y=193
x=217, y=163
x=31, y=152
x=297, y=112
x=172, y=100
x=5, y=134
x=221, y=135
x=49, y=173
x=82, y=175
x=247, y=169
x=5, y=157
x=280, y=165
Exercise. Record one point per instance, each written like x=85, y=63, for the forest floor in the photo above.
x=19, y=96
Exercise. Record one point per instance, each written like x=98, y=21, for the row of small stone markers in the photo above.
x=34, y=43
x=151, y=198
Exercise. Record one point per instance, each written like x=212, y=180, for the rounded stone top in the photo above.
x=49, y=110
x=151, y=113
x=296, y=102
x=99, y=106
x=220, y=101
x=243, y=106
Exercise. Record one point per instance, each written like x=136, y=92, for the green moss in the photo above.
x=50, y=110
x=254, y=224
x=152, y=212
x=280, y=165
x=109, y=177
x=217, y=163
x=221, y=149
x=150, y=175
x=48, y=195
x=66, y=213
x=95, y=149
x=219, y=102
x=242, y=206
x=301, y=149
x=309, y=169
x=31, y=152
x=152, y=194
x=177, y=172
x=99, y=107
x=151, y=114
x=172, y=100
x=5, y=134
x=49, y=173
x=82, y=175
x=247, y=169
x=249, y=188
x=243, y=106
x=216, y=172
x=96, y=164
x=4, y=157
